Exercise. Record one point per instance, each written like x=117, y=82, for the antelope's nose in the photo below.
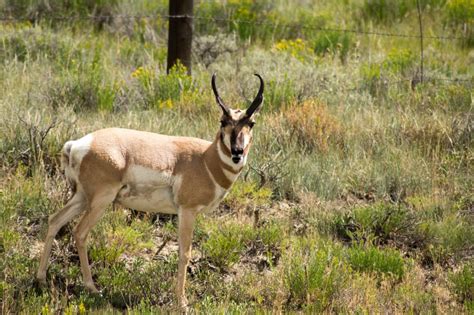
x=237, y=154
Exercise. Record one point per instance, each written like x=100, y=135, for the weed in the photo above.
x=247, y=194
x=297, y=48
x=313, y=274
x=226, y=244
x=385, y=11
x=333, y=42
x=312, y=126
x=460, y=15
x=462, y=282
x=160, y=91
x=371, y=259
x=36, y=10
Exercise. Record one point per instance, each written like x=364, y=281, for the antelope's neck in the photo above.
x=218, y=161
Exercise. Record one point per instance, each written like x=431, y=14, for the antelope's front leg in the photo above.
x=187, y=218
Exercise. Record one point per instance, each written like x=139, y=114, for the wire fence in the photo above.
x=206, y=20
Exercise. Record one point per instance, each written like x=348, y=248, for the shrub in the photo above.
x=246, y=15
x=34, y=10
x=124, y=239
x=453, y=97
x=29, y=44
x=371, y=259
x=460, y=16
x=399, y=61
x=160, y=91
x=333, y=42
x=297, y=48
x=312, y=126
x=385, y=11
x=449, y=239
x=138, y=282
x=226, y=244
x=85, y=87
x=462, y=283
x=282, y=92
x=246, y=193
x=313, y=274
x=380, y=223
x=372, y=77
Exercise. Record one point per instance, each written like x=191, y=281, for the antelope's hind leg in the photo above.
x=56, y=221
x=97, y=209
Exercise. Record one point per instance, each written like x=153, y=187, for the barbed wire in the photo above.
x=227, y=20
x=264, y=23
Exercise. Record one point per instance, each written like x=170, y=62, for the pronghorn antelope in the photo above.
x=153, y=173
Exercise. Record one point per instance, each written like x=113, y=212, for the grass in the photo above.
x=358, y=196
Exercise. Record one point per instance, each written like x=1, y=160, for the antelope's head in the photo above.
x=236, y=125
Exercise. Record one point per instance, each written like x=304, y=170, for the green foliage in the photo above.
x=37, y=9
x=281, y=92
x=399, y=61
x=24, y=197
x=463, y=283
x=460, y=16
x=226, y=244
x=333, y=42
x=371, y=259
x=138, y=283
x=379, y=223
x=160, y=91
x=386, y=11
x=460, y=11
x=314, y=272
x=247, y=193
x=297, y=48
x=29, y=43
x=449, y=238
x=118, y=242
x=454, y=97
x=86, y=86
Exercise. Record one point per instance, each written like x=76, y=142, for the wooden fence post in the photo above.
x=180, y=33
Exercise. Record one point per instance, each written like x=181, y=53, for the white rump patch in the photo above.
x=77, y=150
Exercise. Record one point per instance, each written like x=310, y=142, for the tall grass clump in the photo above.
x=314, y=272
x=379, y=223
x=312, y=125
x=385, y=11
x=54, y=11
x=462, y=282
x=460, y=17
x=334, y=43
x=225, y=245
x=159, y=91
x=383, y=262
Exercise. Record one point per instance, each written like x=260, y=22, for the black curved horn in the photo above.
x=219, y=101
x=258, y=99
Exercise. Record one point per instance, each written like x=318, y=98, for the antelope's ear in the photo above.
x=219, y=101
x=258, y=101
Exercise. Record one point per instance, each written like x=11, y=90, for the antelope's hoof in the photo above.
x=92, y=288
x=183, y=305
x=41, y=280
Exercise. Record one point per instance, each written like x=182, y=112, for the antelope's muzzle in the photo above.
x=237, y=154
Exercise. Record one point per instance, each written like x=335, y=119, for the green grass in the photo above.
x=358, y=196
